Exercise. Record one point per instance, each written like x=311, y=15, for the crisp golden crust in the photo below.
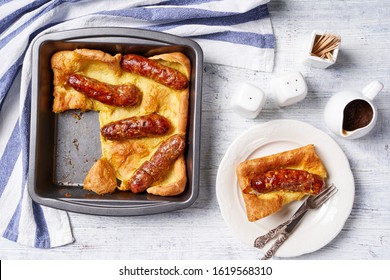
x=125, y=156
x=262, y=205
x=101, y=178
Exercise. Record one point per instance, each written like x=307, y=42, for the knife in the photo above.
x=284, y=234
x=262, y=240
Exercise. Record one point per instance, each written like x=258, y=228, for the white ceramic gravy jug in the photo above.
x=352, y=114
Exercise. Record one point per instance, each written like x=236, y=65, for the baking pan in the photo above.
x=63, y=147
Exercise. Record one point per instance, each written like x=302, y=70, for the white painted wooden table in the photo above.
x=200, y=232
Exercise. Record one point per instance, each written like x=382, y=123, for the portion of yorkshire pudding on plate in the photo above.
x=268, y=183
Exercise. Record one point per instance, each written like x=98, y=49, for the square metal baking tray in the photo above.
x=64, y=146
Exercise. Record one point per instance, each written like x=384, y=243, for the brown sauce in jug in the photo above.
x=357, y=114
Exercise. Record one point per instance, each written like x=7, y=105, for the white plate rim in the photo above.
x=329, y=219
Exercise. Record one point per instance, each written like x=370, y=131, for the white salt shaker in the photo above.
x=248, y=101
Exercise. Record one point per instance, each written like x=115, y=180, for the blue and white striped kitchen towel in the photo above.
x=230, y=32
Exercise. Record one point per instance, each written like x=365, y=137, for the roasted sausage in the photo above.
x=152, y=69
x=291, y=180
x=120, y=95
x=154, y=169
x=135, y=127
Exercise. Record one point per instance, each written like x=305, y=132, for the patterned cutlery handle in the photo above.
x=264, y=239
x=271, y=252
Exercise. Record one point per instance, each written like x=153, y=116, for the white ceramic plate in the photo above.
x=319, y=226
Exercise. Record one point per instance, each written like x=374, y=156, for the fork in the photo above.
x=312, y=202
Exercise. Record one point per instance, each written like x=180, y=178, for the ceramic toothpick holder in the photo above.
x=321, y=41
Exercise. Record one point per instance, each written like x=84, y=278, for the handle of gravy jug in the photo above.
x=372, y=89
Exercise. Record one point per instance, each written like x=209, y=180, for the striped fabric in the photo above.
x=230, y=32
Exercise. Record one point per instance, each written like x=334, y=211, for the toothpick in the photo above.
x=325, y=45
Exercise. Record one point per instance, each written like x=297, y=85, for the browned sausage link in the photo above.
x=140, y=181
x=152, y=69
x=288, y=180
x=154, y=169
x=121, y=95
x=136, y=127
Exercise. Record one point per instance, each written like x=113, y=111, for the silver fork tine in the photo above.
x=324, y=192
x=325, y=195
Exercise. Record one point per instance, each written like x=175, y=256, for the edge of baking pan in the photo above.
x=125, y=207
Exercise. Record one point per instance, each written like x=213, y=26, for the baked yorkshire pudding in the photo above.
x=143, y=107
x=268, y=183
